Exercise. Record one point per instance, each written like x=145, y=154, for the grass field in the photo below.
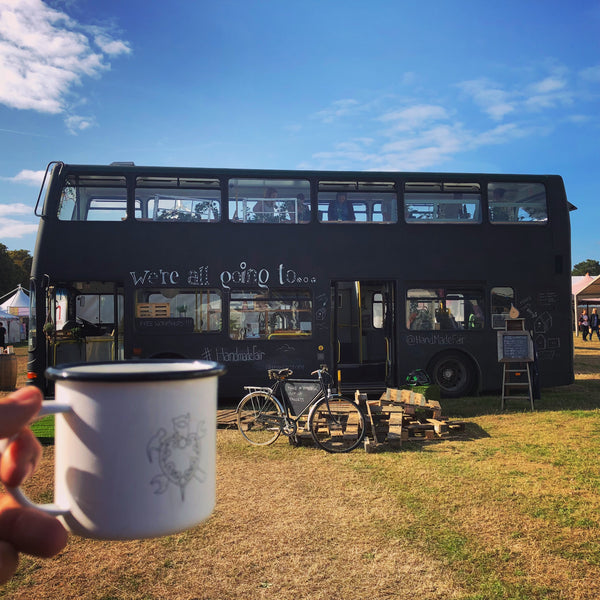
x=509, y=510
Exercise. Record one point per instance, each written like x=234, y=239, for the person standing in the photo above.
x=584, y=324
x=264, y=210
x=595, y=324
x=2, y=335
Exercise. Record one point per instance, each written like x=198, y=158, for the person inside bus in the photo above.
x=499, y=212
x=264, y=209
x=303, y=209
x=23, y=530
x=475, y=318
x=340, y=209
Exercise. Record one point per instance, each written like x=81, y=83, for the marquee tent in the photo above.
x=12, y=324
x=585, y=289
x=17, y=304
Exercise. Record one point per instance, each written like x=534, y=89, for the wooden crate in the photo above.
x=153, y=310
x=402, y=416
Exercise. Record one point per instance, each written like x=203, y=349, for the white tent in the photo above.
x=17, y=304
x=585, y=289
x=12, y=324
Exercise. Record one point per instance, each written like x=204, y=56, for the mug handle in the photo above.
x=49, y=407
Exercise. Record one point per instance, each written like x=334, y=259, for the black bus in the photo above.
x=373, y=273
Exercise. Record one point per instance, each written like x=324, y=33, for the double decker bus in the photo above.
x=373, y=273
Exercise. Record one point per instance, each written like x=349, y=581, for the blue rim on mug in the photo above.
x=136, y=370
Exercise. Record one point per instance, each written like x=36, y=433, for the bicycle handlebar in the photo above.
x=285, y=373
x=322, y=369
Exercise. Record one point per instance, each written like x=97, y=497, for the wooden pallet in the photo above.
x=153, y=310
x=403, y=416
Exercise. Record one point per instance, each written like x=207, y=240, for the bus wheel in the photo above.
x=454, y=373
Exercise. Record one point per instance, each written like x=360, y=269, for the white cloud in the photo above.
x=425, y=148
x=578, y=119
x=76, y=123
x=497, y=102
x=591, y=74
x=493, y=100
x=18, y=208
x=548, y=85
x=502, y=134
x=110, y=46
x=44, y=54
x=10, y=228
x=426, y=134
x=548, y=93
x=338, y=109
x=413, y=117
x=27, y=176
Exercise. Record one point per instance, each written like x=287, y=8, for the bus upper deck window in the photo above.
x=178, y=199
x=437, y=202
x=517, y=202
x=269, y=201
x=357, y=202
x=93, y=198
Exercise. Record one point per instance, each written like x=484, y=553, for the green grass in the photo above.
x=44, y=429
x=507, y=510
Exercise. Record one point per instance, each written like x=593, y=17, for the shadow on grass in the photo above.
x=471, y=432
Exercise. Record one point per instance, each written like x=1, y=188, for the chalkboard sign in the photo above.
x=300, y=393
x=515, y=346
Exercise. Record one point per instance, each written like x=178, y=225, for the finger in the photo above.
x=30, y=531
x=9, y=561
x=18, y=409
x=20, y=458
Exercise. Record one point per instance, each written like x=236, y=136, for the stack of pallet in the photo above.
x=402, y=416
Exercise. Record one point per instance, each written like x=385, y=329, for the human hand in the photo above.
x=22, y=529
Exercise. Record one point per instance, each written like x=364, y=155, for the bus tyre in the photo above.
x=454, y=373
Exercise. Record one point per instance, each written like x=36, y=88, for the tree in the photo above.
x=23, y=260
x=587, y=266
x=15, y=267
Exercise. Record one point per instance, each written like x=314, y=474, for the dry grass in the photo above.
x=509, y=510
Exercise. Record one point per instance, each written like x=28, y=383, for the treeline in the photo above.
x=15, y=268
x=590, y=266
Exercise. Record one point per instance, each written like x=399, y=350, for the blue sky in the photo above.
x=506, y=87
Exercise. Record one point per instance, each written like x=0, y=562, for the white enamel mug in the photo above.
x=135, y=447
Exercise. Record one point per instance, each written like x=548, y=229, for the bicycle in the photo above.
x=335, y=423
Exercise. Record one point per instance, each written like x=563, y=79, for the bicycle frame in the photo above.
x=335, y=423
x=286, y=406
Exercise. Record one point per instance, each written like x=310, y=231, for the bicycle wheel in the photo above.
x=259, y=418
x=336, y=424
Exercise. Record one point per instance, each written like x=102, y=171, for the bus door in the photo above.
x=363, y=330
x=84, y=322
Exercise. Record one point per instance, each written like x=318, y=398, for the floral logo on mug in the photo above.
x=178, y=455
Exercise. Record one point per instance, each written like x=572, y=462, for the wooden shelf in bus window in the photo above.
x=153, y=310
x=289, y=333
